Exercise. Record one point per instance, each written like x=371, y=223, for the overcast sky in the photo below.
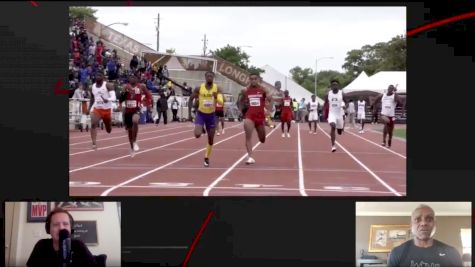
x=282, y=37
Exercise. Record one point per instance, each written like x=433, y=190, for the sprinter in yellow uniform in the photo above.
x=207, y=95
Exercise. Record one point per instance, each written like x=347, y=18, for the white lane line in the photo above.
x=121, y=144
x=126, y=156
x=122, y=136
x=215, y=182
x=301, y=177
x=364, y=166
x=105, y=193
x=343, y=190
x=378, y=145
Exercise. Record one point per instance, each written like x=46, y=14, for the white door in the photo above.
x=9, y=215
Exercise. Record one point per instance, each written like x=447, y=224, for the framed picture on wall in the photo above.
x=78, y=206
x=86, y=231
x=383, y=238
x=37, y=212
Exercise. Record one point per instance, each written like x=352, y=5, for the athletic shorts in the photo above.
x=313, y=116
x=206, y=119
x=361, y=116
x=257, y=118
x=104, y=114
x=391, y=120
x=128, y=119
x=338, y=120
x=286, y=117
x=220, y=113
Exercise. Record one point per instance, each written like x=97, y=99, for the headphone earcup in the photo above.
x=47, y=224
x=72, y=224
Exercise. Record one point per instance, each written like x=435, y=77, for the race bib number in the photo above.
x=131, y=104
x=334, y=105
x=313, y=107
x=287, y=103
x=208, y=103
x=255, y=102
x=388, y=107
x=100, y=102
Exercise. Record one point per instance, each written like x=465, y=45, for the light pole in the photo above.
x=122, y=23
x=316, y=61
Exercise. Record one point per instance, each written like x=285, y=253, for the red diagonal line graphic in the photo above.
x=197, y=238
x=34, y=3
x=58, y=90
x=440, y=23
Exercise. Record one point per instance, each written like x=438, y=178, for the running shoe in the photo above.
x=333, y=148
x=206, y=162
x=250, y=161
x=136, y=147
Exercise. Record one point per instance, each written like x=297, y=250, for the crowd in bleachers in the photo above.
x=89, y=55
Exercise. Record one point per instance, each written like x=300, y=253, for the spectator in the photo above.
x=165, y=71
x=302, y=110
x=295, y=108
x=175, y=106
x=99, y=52
x=134, y=63
x=154, y=70
x=112, y=69
x=83, y=75
x=162, y=107
x=151, y=87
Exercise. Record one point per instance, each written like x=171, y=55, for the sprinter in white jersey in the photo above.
x=312, y=107
x=361, y=116
x=334, y=100
x=102, y=96
x=389, y=101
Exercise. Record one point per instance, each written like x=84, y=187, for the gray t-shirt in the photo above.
x=438, y=255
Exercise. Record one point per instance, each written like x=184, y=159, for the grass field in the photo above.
x=400, y=133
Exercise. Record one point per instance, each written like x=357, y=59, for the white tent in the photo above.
x=379, y=82
x=296, y=91
x=360, y=82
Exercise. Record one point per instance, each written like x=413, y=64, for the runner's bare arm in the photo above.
x=112, y=96
x=219, y=96
x=91, y=103
x=193, y=95
x=148, y=96
x=376, y=102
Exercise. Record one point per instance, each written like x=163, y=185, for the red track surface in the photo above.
x=170, y=163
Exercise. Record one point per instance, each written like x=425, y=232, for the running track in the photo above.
x=170, y=163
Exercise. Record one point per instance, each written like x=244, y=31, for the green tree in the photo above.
x=82, y=12
x=237, y=57
x=383, y=56
x=170, y=51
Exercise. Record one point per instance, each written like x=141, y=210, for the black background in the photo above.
x=244, y=231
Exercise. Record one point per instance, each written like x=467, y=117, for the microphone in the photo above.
x=65, y=247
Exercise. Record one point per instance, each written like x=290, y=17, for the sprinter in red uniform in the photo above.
x=132, y=96
x=286, y=113
x=254, y=98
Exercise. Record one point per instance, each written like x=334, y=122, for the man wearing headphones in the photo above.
x=47, y=251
